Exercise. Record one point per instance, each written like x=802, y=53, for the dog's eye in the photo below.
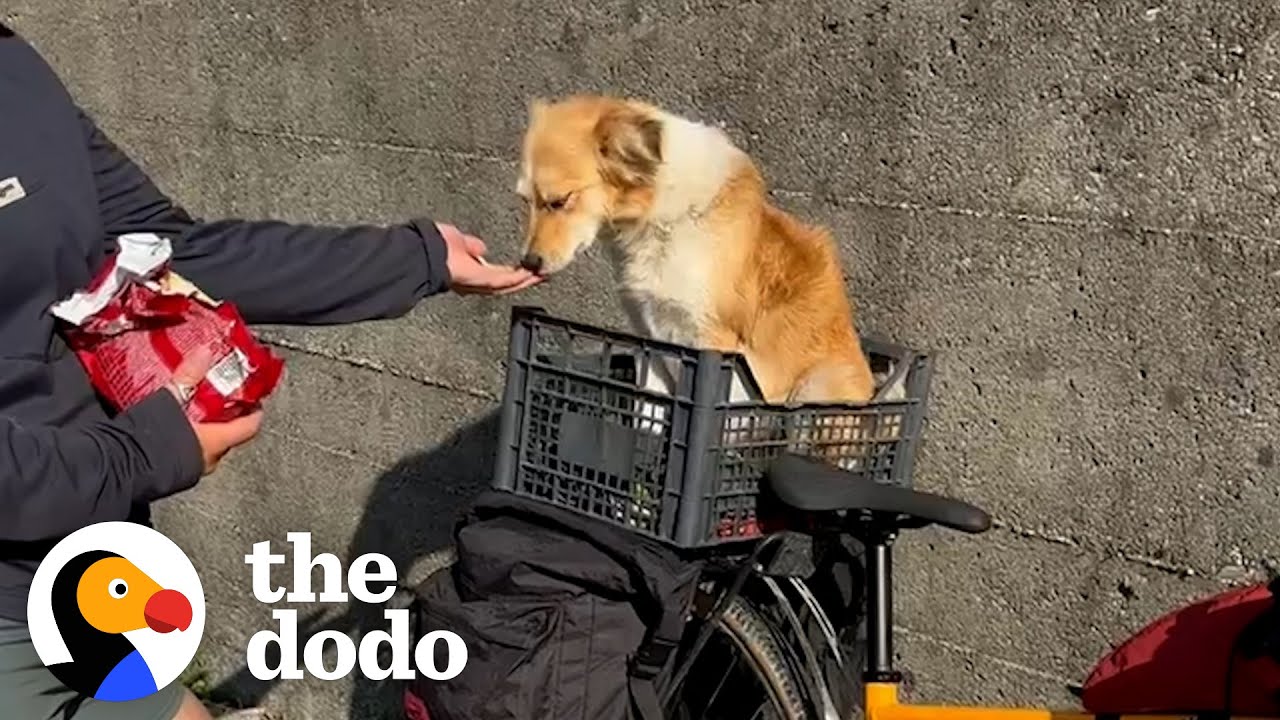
x=556, y=203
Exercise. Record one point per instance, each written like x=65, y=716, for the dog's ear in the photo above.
x=629, y=144
x=536, y=107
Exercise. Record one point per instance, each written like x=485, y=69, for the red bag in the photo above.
x=137, y=321
x=1181, y=662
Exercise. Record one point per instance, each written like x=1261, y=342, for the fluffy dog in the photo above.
x=703, y=258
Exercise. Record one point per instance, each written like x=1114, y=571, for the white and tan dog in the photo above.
x=702, y=257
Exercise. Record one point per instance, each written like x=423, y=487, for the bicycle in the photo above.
x=729, y=481
x=832, y=502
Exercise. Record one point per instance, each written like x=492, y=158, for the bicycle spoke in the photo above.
x=728, y=670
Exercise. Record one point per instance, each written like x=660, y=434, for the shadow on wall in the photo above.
x=410, y=514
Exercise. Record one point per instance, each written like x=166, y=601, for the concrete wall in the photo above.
x=1074, y=203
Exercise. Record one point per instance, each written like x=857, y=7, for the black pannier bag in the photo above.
x=563, y=616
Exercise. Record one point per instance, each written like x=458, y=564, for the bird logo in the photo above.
x=116, y=611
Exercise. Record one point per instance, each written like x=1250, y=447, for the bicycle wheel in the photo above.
x=743, y=673
x=432, y=563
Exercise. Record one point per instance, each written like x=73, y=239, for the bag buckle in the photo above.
x=652, y=657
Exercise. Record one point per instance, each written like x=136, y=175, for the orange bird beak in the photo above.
x=168, y=610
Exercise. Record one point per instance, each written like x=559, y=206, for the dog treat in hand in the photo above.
x=136, y=323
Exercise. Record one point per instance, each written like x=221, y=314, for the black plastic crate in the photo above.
x=671, y=441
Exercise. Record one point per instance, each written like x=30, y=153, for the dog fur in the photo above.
x=702, y=257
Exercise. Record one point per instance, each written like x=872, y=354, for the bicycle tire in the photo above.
x=751, y=633
x=432, y=563
x=745, y=627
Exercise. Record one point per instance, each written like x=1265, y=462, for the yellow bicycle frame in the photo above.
x=881, y=687
x=881, y=703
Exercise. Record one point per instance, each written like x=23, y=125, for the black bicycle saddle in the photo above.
x=812, y=485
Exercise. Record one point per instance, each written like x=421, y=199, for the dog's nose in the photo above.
x=532, y=262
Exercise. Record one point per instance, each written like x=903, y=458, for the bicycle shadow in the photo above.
x=410, y=513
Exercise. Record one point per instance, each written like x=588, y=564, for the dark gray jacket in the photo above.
x=65, y=193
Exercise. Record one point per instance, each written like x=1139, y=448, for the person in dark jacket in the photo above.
x=66, y=193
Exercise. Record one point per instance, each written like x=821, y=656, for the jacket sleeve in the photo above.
x=57, y=480
x=275, y=272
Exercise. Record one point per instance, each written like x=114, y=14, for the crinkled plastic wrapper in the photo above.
x=137, y=322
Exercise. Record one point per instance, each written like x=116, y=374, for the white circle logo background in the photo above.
x=166, y=654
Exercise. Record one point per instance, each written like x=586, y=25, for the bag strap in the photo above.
x=649, y=662
x=645, y=704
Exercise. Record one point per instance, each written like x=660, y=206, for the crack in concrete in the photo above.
x=1031, y=218
x=1047, y=219
x=966, y=650
x=313, y=139
x=1107, y=547
x=351, y=455
x=375, y=366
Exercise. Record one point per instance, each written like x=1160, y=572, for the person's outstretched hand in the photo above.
x=216, y=439
x=470, y=274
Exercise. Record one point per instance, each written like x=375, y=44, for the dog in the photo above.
x=702, y=257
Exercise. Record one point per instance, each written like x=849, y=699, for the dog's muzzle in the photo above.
x=532, y=262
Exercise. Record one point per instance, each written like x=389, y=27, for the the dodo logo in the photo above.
x=116, y=611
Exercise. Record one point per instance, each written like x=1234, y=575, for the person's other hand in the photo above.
x=470, y=274
x=215, y=439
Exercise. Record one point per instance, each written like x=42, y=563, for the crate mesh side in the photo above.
x=865, y=441
x=570, y=471
x=592, y=442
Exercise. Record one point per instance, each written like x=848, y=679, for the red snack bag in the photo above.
x=137, y=321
